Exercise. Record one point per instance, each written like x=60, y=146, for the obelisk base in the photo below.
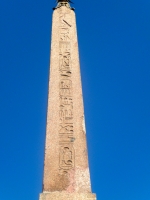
x=67, y=196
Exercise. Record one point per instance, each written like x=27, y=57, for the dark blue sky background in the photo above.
x=114, y=42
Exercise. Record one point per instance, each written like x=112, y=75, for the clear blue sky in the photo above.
x=114, y=42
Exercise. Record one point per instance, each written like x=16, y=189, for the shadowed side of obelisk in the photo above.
x=66, y=171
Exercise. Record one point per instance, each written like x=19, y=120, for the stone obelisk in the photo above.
x=66, y=171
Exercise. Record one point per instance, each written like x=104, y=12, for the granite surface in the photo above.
x=66, y=170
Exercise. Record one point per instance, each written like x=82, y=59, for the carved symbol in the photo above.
x=66, y=113
x=65, y=64
x=65, y=84
x=64, y=34
x=66, y=129
x=65, y=73
x=65, y=138
x=64, y=29
x=66, y=101
x=66, y=22
x=65, y=61
x=65, y=87
x=66, y=157
x=63, y=21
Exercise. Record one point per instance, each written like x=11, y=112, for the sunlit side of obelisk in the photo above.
x=66, y=170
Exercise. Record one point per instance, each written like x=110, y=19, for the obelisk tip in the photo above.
x=64, y=3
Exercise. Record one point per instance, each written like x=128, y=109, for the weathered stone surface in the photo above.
x=66, y=171
x=67, y=196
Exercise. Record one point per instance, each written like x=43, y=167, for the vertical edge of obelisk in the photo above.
x=51, y=149
x=82, y=167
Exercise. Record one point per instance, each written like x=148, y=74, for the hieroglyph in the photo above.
x=66, y=128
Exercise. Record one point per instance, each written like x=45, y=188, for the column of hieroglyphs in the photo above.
x=66, y=131
x=66, y=171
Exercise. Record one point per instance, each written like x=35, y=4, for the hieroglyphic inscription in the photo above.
x=66, y=129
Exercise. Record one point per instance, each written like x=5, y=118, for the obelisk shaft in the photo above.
x=66, y=163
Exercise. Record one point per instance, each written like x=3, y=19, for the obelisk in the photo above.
x=66, y=170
